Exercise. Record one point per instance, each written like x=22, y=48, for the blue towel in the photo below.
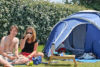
x=89, y=61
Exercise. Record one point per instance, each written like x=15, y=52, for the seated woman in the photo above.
x=29, y=44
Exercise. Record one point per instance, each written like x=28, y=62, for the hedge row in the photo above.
x=40, y=14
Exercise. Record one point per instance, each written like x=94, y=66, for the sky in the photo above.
x=57, y=1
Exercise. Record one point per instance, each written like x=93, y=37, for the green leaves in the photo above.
x=39, y=14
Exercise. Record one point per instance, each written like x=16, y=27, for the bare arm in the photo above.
x=22, y=43
x=16, y=47
x=1, y=51
x=5, y=54
x=34, y=51
x=2, y=43
x=2, y=48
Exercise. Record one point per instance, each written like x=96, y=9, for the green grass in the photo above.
x=61, y=63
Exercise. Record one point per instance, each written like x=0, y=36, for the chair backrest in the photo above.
x=52, y=49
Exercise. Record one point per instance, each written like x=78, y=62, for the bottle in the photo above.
x=61, y=54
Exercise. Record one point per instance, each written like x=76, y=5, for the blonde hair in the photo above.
x=33, y=33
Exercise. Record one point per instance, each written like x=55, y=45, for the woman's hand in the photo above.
x=28, y=36
x=22, y=43
x=29, y=56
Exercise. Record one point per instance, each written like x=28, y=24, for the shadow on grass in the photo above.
x=61, y=65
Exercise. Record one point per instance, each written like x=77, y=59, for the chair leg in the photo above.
x=50, y=60
x=74, y=61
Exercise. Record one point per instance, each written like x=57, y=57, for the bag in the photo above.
x=37, y=60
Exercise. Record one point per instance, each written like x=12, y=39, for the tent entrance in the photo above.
x=83, y=38
x=76, y=40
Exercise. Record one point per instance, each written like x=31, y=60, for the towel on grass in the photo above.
x=88, y=60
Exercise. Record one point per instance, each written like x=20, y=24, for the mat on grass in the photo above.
x=88, y=60
x=84, y=60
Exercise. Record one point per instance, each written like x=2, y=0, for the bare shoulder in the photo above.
x=16, y=39
x=3, y=37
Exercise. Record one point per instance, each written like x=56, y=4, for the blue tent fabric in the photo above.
x=92, y=35
x=96, y=48
x=71, y=24
x=64, y=29
x=58, y=28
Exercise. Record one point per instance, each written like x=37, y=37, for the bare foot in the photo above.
x=8, y=66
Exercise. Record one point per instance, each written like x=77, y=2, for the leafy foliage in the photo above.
x=93, y=4
x=40, y=14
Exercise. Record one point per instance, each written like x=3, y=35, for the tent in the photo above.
x=80, y=30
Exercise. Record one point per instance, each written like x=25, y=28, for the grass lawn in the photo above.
x=61, y=63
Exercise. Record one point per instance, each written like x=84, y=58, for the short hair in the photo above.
x=14, y=26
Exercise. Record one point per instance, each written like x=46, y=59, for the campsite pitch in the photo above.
x=60, y=63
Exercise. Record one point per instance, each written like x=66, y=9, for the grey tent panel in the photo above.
x=79, y=34
x=75, y=41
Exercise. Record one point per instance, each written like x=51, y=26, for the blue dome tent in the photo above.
x=81, y=29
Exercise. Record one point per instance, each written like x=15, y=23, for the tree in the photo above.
x=94, y=4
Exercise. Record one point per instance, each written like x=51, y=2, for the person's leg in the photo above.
x=39, y=54
x=5, y=63
x=21, y=60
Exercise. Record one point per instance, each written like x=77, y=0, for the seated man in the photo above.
x=2, y=61
x=9, y=45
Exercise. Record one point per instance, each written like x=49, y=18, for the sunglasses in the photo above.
x=29, y=33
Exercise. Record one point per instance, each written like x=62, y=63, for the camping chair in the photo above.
x=60, y=57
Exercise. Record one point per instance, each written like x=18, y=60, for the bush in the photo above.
x=40, y=14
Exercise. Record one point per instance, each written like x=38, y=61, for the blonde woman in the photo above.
x=29, y=44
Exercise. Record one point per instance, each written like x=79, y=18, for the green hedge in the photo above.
x=40, y=14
